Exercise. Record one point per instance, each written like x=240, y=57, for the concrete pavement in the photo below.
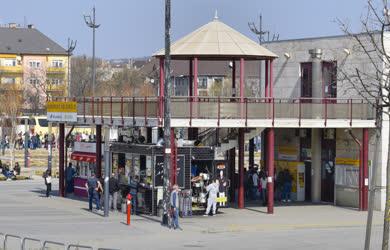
x=23, y=211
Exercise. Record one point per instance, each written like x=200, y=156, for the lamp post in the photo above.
x=91, y=22
x=71, y=46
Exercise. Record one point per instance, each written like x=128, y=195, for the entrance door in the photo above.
x=328, y=156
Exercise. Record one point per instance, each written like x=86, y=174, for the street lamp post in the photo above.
x=91, y=22
x=71, y=46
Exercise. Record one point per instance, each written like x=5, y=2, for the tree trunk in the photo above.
x=385, y=241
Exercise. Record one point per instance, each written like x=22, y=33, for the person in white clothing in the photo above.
x=212, y=189
x=47, y=177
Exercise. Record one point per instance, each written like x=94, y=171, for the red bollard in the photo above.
x=128, y=208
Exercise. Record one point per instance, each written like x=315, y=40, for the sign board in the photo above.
x=159, y=171
x=62, y=111
x=86, y=147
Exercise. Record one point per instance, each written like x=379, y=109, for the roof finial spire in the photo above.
x=216, y=15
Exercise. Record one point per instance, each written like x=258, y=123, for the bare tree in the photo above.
x=372, y=82
x=12, y=103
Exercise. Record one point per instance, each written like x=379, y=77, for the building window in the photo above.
x=34, y=81
x=57, y=64
x=8, y=80
x=9, y=62
x=35, y=64
x=56, y=81
x=202, y=82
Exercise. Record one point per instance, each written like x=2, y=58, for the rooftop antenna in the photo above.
x=216, y=15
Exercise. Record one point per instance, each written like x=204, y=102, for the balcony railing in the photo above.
x=56, y=70
x=11, y=69
x=220, y=108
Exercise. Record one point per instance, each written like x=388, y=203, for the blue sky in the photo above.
x=134, y=28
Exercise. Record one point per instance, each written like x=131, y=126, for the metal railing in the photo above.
x=109, y=108
x=43, y=245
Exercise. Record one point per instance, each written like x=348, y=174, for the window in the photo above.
x=35, y=64
x=34, y=81
x=8, y=80
x=9, y=62
x=56, y=81
x=202, y=82
x=57, y=64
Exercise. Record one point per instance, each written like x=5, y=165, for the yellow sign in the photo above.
x=221, y=199
x=347, y=161
x=62, y=107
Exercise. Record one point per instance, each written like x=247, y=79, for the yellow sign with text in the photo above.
x=62, y=107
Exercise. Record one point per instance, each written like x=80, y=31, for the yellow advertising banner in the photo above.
x=62, y=107
x=347, y=161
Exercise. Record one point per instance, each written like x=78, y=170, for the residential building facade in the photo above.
x=33, y=63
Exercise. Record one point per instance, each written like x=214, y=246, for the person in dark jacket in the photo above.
x=113, y=188
x=17, y=168
x=47, y=178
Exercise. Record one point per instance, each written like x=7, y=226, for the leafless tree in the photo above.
x=372, y=82
x=12, y=103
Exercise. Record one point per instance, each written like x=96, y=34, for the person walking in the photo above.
x=174, y=200
x=287, y=185
x=47, y=177
x=93, y=185
x=113, y=189
x=212, y=189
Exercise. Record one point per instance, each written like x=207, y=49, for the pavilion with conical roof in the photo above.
x=217, y=41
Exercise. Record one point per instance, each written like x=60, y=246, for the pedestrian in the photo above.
x=174, y=200
x=255, y=184
x=212, y=190
x=47, y=177
x=287, y=185
x=17, y=168
x=263, y=184
x=113, y=189
x=70, y=173
x=93, y=185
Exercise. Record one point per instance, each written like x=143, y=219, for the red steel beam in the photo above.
x=241, y=149
x=270, y=169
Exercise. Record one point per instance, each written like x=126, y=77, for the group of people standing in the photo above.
x=256, y=185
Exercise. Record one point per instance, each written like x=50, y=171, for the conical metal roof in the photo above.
x=217, y=40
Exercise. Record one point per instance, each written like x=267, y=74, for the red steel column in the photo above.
x=98, y=151
x=270, y=134
x=190, y=79
x=195, y=77
x=271, y=80
x=234, y=91
x=61, y=160
x=241, y=149
x=242, y=79
x=161, y=100
x=266, y=86
x=365, y=169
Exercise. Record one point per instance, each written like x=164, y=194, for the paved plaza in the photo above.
x=25, y=212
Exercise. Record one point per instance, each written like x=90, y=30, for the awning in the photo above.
x=82, y=156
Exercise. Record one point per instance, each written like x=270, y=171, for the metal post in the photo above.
x=167, y=110
x=271, y=79
x=61, y=141
x=190, y=79
x=107, y=167
x=161, y=92
x=241, y=141
x=232, y=172
x=270, y=169
x=49, y=146
x=242, y=79
x=91, y=22
x=98, y=151
x=93, y=55
x=26, y=138
x=365, y=168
